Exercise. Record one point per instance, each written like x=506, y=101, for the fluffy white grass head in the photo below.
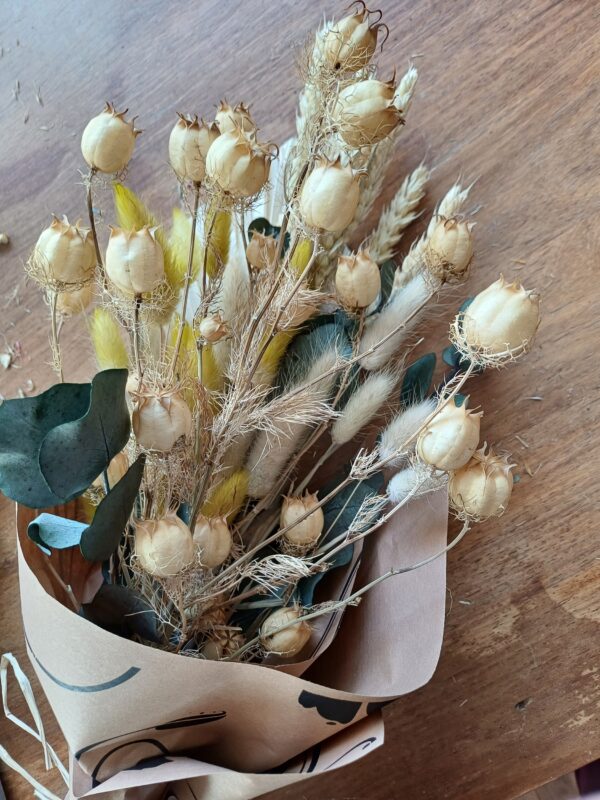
x=363, y=405
x=404, y=426
x=414, y=481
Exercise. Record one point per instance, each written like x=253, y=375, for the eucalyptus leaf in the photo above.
x=387, y=272
x=123, y=611
x=417, y=380
x=24, y=423
x=49, y=532
x=72, y=455
x=102, y=537
x=339, y=515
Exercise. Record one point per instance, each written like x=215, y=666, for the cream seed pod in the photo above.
x=65, y=253
x=160, y=420
x=239, y=164
x=108, y=140
x=503, y=319
x=357, y=280
x=68, y=304
x=229, y=118
x=482, y=488
x=366, y=112
x=306, y=532
x=451, y=438
x=329, y=196
x=213, y=537
x=212, y=328
x=189, y=142
x=163, y=547
x=116, y=470
x=261, y=251
x=350, y=43
x=134, y=260
x=449, y=248
x=288, y=642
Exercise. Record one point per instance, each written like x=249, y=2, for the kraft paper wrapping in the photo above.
x=159, y=724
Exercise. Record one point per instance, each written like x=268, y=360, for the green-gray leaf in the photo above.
x=101, y=538
x=73, y=454
x=417, y=380
x=49, y=531
x=122, y=611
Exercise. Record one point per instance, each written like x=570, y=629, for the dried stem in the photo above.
x=92, y=218
x=56, y=354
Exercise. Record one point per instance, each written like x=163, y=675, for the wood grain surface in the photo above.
x=509, y=96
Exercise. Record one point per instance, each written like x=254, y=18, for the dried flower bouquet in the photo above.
x=240, y=354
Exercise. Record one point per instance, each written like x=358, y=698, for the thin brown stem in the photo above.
x=137, y=303
x=56, y=354
x=92, y=219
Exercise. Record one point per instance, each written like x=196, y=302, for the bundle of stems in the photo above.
x=257, y=351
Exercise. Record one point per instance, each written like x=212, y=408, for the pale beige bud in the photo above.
x=350, y=43
x=329, y=196
x=66, y=252
x=503, y=317
x=229, y=118
x=451, y=438
x=213, y=537
x=134, y=260
x=357, y=280
x=261, y=251
x=366, y=113
x=160, y=420
x=450, y=247
x=134, y=386
x=163, y=547
x=223, y=643
x=482, y=488
x=212, y=328
x=116, y=470
x=108, y=140
x=71, y=303
x=238, y=163
x=306, y=532
x=288, y=642
x=189, y=142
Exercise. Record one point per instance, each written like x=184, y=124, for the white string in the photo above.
x=50, y=758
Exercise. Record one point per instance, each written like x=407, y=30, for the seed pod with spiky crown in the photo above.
x=366, y=112
x=482, y=488
x=212, y=328
x=329, y=196
x=261, y=251
x=65, y=252
x=134, y=260
x=228, y=118
x=357, y=280
x=288, y=642
x=159, y=420
x=502, y=318
x=108, y=140
x=189, y=142
x=163, y=547
x=449, y=249
x=306, y=532
x=213, y=537
x=69, y=304
x=451, y=438
x=238, y=163
x=350, y=43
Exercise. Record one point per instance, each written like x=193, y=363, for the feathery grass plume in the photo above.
x=219, y=224
x=105, y=333
x=392, y=324
x=233, y=302
x=213, y=378
x=301, y=256
x=402, y=427
x=272, y=449
x=414, y=481
x=398, y=215
x=179, y=243
x=271, y=359
x=187, y=363
x=363, y=405
x=414, y=262
x=132, y=213
x=406, y=89
x=228, y=496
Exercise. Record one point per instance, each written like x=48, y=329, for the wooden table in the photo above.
x=509, y=97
